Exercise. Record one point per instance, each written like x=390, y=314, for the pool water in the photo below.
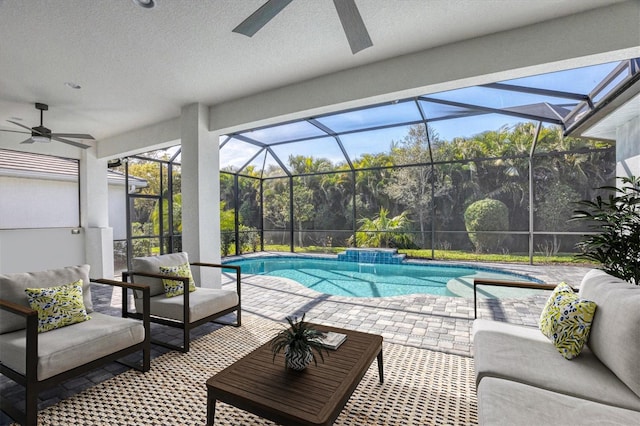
x=376, y=280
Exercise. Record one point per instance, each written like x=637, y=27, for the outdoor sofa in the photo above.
x=64, y=337
x=523, y=379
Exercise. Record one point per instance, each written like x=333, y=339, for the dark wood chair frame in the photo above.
x=500, y=283
x=186, y=326
x=30, y=381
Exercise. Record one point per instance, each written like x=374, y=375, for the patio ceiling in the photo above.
x=138, y=67
x=565, y=99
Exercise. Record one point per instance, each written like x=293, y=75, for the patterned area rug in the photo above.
x=421, y=387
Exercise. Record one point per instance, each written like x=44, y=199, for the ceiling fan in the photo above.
x=43, y=135
x=348, y=13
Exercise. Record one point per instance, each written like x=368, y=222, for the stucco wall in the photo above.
x=628, y=148
x=23, y=250
x=38, y=203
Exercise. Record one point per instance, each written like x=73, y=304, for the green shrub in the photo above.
x=616, y=220
x=486, y=215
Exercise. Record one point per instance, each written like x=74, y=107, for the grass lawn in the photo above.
x=560, y=258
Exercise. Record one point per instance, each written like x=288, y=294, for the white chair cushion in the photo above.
x=64, y=348
x=202, y=303
x=509, y=403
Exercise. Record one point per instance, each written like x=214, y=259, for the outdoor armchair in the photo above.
x=167, y=276
x=41, y=348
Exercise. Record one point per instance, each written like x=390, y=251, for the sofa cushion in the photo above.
x=566, y=320
x=525, y=355
x=68, y=347
x=615, y=330
x=58, y=306
x=12, y=288
x=504, y=402
x=152, y=264
x=202, y=303
x=175, y=287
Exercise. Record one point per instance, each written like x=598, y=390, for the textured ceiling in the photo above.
x=138, y=67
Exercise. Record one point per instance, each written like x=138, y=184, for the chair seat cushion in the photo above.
x=525, y=355
x=68, y=347
x=202, y=303
x=504, y=402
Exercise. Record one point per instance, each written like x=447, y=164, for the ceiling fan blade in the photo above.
x=14, y=131
x=21, y=125
x=68, y=142
x=353, y=25
x=73, y=135
x=260, y=17
x=28, y=140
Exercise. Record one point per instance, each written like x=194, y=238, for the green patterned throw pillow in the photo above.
x=174, y=287
x=58, y=306
x=566, y=320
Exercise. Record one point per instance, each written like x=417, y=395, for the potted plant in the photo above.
x=299, y=342
x=616, y=220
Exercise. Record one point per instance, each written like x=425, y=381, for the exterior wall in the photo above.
x=118, y=211
x=38, y=203
x=628, y=148
x=23, y=250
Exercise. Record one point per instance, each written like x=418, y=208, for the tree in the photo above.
x=555, y=209
x=413, y=187
x=383, y=231
x=227, y=228
x=486, y=215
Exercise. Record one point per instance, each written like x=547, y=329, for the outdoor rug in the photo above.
x=421, y=387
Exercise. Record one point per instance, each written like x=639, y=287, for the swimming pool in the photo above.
x=381, y=280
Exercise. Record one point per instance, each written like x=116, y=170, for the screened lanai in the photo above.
x=494, y=169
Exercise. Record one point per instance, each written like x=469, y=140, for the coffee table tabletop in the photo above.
x=314, y=396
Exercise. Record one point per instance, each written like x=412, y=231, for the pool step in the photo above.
x=369, y=255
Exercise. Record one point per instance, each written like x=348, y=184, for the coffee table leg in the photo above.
x=211, y=410
x=380, y=367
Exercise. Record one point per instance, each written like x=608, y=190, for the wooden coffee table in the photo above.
x=314, y=396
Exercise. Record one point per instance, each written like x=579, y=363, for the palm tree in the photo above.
x=383, y=231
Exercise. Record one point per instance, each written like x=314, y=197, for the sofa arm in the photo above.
x=503, y=283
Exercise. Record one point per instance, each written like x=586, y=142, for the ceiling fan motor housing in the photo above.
x=41, y=131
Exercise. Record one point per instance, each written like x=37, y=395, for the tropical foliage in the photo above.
x=384, y=231
x=487, y=215
x=616, y=219
x=430, y=182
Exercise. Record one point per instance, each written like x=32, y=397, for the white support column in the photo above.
x=200, y=192
x=94, y=208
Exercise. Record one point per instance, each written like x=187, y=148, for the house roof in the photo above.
x=38, y=166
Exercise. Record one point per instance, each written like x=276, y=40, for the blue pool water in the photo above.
x=374, y=280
